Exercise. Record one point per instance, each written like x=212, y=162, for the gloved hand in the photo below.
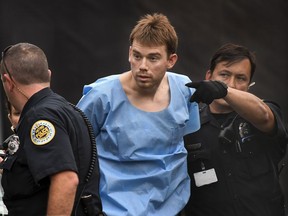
x=207, y=90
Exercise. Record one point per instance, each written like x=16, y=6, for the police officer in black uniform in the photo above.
x=233, y=159
x=54, y=168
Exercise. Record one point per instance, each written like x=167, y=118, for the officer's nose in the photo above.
x=232, y=82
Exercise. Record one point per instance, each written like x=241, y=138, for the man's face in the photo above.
x=14, y=116
x=236, y=75
x=149, y=64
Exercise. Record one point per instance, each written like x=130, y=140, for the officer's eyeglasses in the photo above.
x=8, y=72
x=3, y=61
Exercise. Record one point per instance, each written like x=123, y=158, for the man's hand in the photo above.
x=207, y=91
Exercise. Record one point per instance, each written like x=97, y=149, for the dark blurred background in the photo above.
x=88, y=39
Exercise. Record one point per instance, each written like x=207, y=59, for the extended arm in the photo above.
x=251, y=108
x=247, y=105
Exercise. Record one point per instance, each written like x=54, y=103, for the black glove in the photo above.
x=207, y=91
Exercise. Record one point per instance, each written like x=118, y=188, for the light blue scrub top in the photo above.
x=143, y=168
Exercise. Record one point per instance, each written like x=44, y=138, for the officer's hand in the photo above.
x=207, y=91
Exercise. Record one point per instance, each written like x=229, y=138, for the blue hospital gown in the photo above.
x=143, y=168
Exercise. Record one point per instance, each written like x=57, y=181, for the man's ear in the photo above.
x=172, y=60
x=50, y=73
x=6, y=79
x=208, y=75
x=129, y=53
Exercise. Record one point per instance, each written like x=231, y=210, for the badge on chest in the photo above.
x=205, y=177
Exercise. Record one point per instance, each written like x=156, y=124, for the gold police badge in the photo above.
x=42, y=132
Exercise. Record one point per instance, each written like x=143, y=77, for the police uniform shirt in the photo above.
x=238, y=178
x=46, y=131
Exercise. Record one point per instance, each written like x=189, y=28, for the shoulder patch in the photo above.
x=42, y=132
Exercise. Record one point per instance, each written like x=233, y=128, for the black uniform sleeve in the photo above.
x=280, y=135
x=48, y=147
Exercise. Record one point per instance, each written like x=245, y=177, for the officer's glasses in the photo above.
x=3, y=61
x=8, y=72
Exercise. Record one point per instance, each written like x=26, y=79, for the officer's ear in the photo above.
x=7, y=81
x=208, y=75
x=4, y=77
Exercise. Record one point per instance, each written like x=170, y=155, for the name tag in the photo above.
x=205, y=177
